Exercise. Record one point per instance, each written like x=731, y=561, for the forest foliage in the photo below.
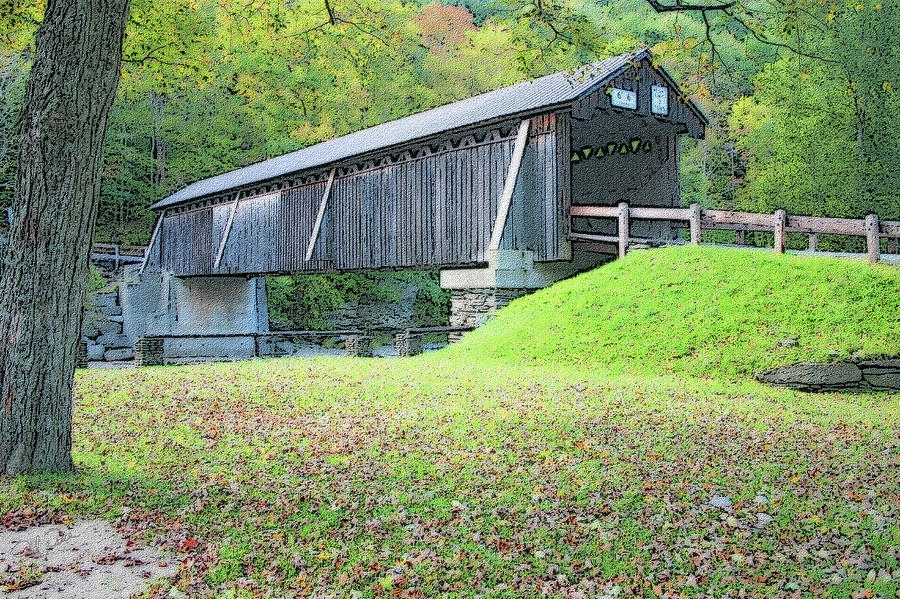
x=803, y=96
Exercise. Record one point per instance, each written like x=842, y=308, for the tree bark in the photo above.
x=62, y=133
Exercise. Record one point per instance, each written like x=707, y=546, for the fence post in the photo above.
x=813, y=242
x=695, y=224
x=873, y=238
x=624, y=228
x=780, y=223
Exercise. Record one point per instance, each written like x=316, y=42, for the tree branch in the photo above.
x=679, y=6
x=763, y=40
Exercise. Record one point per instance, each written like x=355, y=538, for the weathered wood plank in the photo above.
x=509, y=185
x=637, y=212
x=816, y=224
x=564, y=179
x=730, y=217
x=890, y=228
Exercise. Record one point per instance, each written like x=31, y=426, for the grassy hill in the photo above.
x=702, y=311
x=516, y=464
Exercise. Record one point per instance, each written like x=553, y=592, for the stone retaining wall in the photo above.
x=368, y=313
x=853, y=376
x=102, y=329
x=474, y=307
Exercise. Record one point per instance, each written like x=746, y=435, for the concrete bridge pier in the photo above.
x=478, y=293
x=202, y=318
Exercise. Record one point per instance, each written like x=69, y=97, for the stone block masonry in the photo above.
x=148, y=351
x=849, y=376
x=474, y=307
x=408, y=344
x=81, y=351
x=102, y=330
x=383, y=314
x=359, y=346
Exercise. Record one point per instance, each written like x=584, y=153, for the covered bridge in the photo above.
x=480, y=188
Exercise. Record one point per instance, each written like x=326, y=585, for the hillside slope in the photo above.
x=703, y=311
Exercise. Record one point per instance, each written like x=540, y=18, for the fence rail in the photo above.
x=118, y=254
x=779, y=223
x=115, y=248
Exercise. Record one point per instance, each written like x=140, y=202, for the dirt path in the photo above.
x=88, y=560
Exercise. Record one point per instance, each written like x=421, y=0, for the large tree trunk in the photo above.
x=62, y=133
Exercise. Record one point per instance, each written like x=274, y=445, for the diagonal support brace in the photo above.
x=318, y=225
x=510, y=185
x=227, y=231
x=153, y=239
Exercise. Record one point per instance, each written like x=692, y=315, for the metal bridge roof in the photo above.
x=542, y=92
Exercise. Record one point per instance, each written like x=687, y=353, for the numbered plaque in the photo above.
x=623, y=98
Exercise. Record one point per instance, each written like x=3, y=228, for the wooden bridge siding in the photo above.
x=251, y=241
x=296, y=215
x=434, y=210
x=185, y=241
x=535, y=220
x=440, y=209
x=545, y=197
x=564, y=179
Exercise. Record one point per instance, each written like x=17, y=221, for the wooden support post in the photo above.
x=321, y=214
x=813, y=242
x=892, y=246
x=695, y=224
x=739, y=237
x=510, y=185
x=152, y=241
x=780, y=224
x=227, y=231
x=624, y=228
x=873, y=238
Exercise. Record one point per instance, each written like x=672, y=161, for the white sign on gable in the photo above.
x=659, y=99
x=623, y=98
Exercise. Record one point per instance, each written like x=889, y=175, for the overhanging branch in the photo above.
x=682, y=7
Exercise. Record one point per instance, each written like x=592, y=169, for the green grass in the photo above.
x=462, y=475
x=701, y=311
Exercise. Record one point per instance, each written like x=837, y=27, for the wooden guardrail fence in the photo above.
x=118, y=253
x=779, y=223
x=118, y=249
